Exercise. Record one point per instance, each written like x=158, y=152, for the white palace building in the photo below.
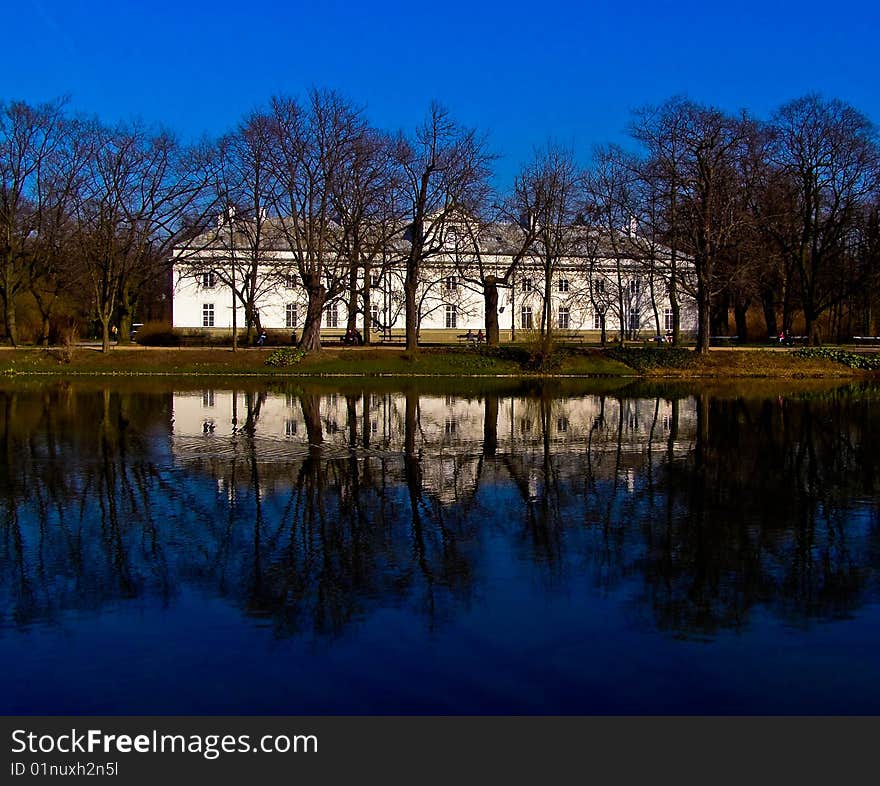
x=617, y=281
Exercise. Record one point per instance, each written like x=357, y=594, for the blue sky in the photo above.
x=523, y=72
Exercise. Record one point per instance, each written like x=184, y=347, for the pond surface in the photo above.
x=306, y=550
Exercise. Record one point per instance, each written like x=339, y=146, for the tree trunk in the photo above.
x=674, y=305
x=654, y=307
x=126, y=309
x=44, y=305
x=368, y=311
x=739, y=314
x=719, y=319
x=812, y=327
x=704, y=307
x=310, y=341
x=490, y=301
x=412, y=315
x=105, y=333
x=351, y=321
x=9, y=320
x=768, y=306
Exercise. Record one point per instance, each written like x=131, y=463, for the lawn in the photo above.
x=518, y=361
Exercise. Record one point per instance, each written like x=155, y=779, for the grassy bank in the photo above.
x=644, y=362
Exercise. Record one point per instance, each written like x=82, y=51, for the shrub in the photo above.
x=850, y=359
x=157, y=334
x=649, y=358
x=68, y=338
x=285, y=356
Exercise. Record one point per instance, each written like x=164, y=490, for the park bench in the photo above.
x=789, y=341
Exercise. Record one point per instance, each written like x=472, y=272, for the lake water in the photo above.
x=550, y=549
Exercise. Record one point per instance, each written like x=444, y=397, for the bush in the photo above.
x=849, y=359
x=649, y=358
x=285, y=356
x=157, y=334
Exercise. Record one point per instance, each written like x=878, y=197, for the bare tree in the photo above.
x=312, y=148
x=29, y=135
x=366, y=198
x=661, y=130
x=710, y=210
x=445, y=171
x=247, y=244
x=612, y=191
x=53, y=275
x=548, y=195
x=488, y=250
x=139, y=186
x=825, y=166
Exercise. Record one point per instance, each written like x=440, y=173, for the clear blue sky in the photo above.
x=524, y=72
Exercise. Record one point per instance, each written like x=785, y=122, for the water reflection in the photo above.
x=310, y=510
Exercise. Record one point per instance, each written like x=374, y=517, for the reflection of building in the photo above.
x=451, y=433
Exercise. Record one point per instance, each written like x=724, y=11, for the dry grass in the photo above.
x=451, y=362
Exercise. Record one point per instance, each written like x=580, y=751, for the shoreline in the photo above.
x=510, y=363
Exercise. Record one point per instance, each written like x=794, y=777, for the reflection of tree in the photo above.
x=703, y=508
x=759, y=515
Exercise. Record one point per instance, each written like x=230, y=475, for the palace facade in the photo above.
x=618, y=283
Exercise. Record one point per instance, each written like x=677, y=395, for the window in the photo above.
x=207, y=398
x=291, y=316
x=667, y=319
x=597, y=321
x=635, y=320
x=209, y=280
x=635, y=286
x=451, y=283
x=450, y=427
x=599, y=286
x=290, y=281
x=374, y=315
x=527, y=285
x=207, y=315
x=290, y=428
x=332, y=317
x=451, y=316
x=525, y=426
x=563, y=317
x=562, y=424
x=525, y=318
x=563, y=285
x=374, y=279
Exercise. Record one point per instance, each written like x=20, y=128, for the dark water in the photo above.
x=173, y=550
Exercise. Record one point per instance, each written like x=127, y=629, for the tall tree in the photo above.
x=445, y=169
x=366, y=199
x=710, y=207
x=548, y=194
x=29, y=135
x=313, y=146
x=824, y=166
x=138, y=188
x=660, y=129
